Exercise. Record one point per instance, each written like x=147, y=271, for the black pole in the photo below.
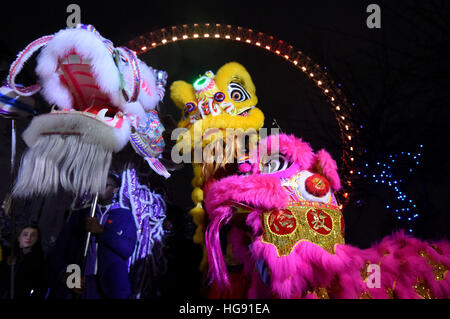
x=11, y=209
x=88, y=235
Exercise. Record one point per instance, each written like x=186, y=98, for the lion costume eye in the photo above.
x=237, y=93
x=274, y=163
x=314, y=187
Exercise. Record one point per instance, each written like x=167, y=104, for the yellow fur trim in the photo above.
x=181, y=93
x=235, y=72
x=198, y=216
x=197, y=195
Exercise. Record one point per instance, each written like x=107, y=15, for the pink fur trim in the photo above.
x=310, y=266
x=294, y=148
x=258, y=191
x=329, y=169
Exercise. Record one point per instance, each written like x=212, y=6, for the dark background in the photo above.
x=397, y=76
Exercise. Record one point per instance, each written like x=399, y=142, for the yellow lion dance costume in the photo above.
x=210, y=106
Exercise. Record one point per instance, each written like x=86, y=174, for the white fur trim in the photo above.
x=148, y=75
x=136, y=109
x=88, y=46
x=92, y=130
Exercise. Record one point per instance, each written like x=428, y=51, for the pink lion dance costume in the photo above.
x=290, y=240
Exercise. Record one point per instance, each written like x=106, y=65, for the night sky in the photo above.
x=397, y=76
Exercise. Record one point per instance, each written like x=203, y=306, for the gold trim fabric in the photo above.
x=285, y=244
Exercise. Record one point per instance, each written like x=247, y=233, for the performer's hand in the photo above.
x=93, y=226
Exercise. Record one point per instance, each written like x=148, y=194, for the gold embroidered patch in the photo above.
x=319, y=224
x=439, y=269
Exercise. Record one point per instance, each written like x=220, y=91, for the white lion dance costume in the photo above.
x=102, y=97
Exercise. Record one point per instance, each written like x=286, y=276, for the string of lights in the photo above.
x=386, y=173
x=319, y=76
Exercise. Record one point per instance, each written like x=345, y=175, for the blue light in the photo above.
x=387, y=206
x=399, y=217
x=420, y=145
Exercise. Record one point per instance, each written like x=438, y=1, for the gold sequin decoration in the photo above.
x=439, y=269
x=365, y=295
x=364, y=272
x=391, y=291
x=285, y=244
x=321, y=293
x=422, y=289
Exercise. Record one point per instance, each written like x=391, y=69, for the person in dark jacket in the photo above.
x=113, y=240
x=30, y=271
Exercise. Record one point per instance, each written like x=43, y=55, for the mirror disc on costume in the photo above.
x=317, y=185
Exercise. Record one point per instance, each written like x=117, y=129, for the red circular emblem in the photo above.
x=319, y=221
x=282, y=222
x=317, y=185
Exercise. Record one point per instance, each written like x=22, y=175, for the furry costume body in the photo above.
x=280, y=263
